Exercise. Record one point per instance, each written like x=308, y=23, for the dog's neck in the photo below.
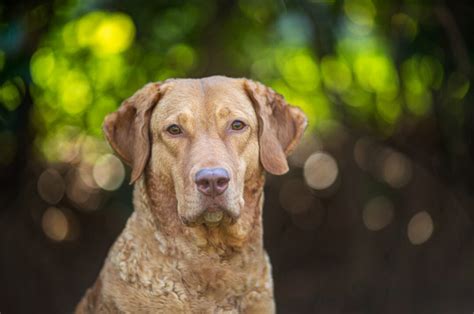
x=156, y=209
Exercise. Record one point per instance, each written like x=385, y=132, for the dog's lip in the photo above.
x=213, y=216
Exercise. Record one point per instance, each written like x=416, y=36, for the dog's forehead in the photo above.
x=211, y=94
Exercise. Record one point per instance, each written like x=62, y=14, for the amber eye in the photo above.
x=174, y=129
x=237, y=125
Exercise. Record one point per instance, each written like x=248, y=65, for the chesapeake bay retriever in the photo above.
x=198, y=149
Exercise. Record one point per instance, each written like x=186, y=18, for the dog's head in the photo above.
x=208, y=137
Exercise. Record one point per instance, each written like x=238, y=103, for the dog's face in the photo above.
x=204, y=137
x=209, y=137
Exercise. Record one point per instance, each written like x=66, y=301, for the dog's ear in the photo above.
x=128, y=128
x=281, y=126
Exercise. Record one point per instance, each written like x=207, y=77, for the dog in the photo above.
x=198, y=151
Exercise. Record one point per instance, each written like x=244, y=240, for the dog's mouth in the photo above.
x=212, y=216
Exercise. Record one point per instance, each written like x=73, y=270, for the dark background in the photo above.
x=375, y=215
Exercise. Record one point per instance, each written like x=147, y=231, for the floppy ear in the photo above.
x=128, y=129
x=281, y=126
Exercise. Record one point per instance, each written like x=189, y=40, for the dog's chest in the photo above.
x=174, y=284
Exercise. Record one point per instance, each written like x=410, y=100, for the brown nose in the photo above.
x=212, y=181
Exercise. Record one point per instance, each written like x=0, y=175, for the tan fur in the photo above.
x=167, y=260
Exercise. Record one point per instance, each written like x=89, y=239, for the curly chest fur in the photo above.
x=170, y=276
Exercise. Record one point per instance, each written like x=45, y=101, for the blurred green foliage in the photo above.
x=360, y=61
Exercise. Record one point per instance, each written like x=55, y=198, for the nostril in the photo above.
x=203, y=185
x=221, y=185
x=222, y=181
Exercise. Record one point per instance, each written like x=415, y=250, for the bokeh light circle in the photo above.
x=55, y=224
x=420, y=228
x=320, y=171
x=396, y=169
x=108, y=172
x=378, y=213
x=51, y=186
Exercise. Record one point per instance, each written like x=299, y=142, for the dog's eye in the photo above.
x=237, y=125
x=174, y=129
